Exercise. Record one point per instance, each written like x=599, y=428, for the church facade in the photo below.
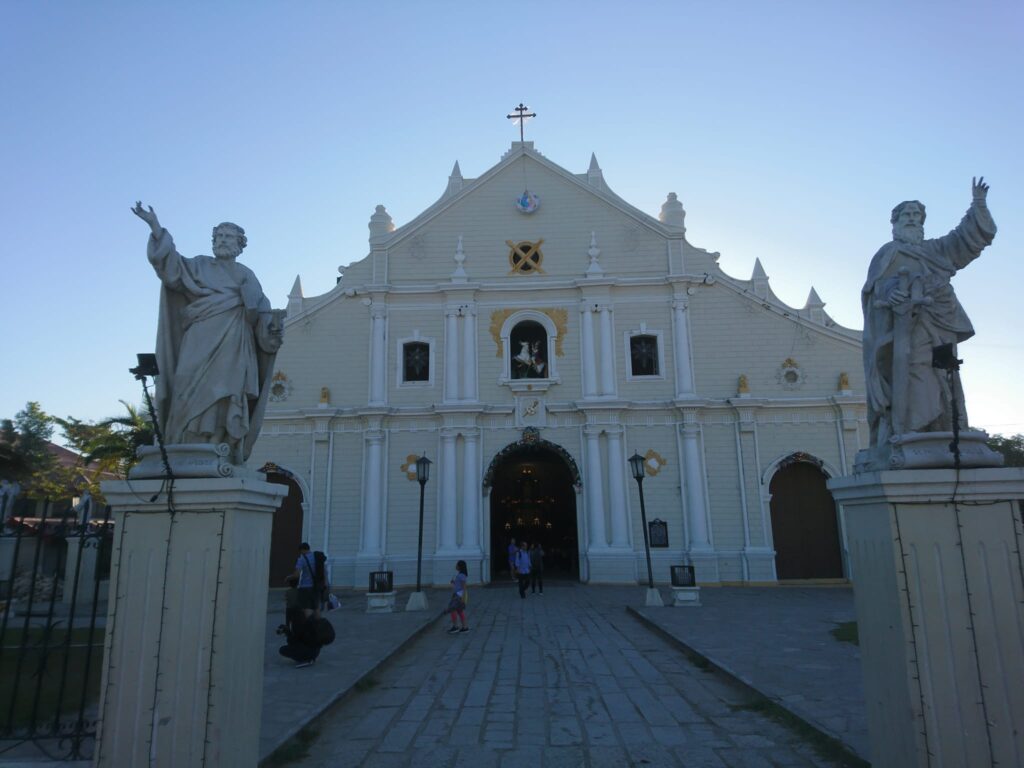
x=528, y=342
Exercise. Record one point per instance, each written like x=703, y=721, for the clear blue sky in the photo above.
x=788, y=129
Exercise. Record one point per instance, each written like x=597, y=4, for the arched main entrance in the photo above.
x=286, y=533
x=533, y=497
x=805, y=528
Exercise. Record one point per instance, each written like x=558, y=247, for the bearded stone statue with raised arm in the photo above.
x=910, y=314
x=216, y=343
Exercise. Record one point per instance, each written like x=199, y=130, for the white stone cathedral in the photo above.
x=528, y=341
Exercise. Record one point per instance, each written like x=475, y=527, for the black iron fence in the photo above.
x=54, y=574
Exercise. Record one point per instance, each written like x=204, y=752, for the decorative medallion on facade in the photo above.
x=410, y=466
x=527, y=202
x=790, y=375
x=525, y=257
x=653, y=462
x=280, y=388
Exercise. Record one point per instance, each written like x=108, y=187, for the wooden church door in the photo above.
x=805, y=528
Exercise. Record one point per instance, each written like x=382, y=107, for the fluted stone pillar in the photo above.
x=451, y=354
x=617, y=489
x=693, y=479
x=447, y=512
x=595, y=490
x=589, y=362
x=607, y=352
x=373, y=493
x=469, y=355
x=378, y=354
x=471, y=493
x=681, y=347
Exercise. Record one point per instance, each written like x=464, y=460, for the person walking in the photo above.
x=457, y=604
x=522, y=568
x=512, y=549
x=536, y=568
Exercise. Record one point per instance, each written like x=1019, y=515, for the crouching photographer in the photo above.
x=306, y=635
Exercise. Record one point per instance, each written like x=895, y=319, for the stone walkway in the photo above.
x=777, y=640
x=566, y=679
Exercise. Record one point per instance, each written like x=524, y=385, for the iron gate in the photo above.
x=54, y=569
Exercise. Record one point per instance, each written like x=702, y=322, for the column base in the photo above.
x=705, y=565
x=417, y=602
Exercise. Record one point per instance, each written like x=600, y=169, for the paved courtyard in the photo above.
x=566, y=679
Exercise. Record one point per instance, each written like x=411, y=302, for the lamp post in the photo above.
x=636, y=466
x=418, y=599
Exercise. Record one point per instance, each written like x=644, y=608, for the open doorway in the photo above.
x=533, y=498
x=805, y=528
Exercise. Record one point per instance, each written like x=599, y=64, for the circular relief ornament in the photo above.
x=280, y=388
x=527, y=202
x=790, y=375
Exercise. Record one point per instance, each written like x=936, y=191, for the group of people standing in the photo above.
x=526, y=564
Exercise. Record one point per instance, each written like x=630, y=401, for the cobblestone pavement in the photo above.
x=564, y=679
x=777, y=639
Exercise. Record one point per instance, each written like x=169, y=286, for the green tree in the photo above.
x=23, y=444
x=1012, y=448
x=111, y=444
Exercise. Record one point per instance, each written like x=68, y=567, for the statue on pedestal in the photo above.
x=910, y=310
x=216, y=343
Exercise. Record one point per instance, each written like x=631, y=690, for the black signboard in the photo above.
x=658, y=533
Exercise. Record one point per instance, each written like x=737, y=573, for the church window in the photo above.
x=643, y=355
x=528, y=344
x=415, y=361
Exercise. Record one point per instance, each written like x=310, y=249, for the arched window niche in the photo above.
x=528, y=340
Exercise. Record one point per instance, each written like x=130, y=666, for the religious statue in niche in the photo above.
x=217, y=339
x=912, y=324
x=529, y=341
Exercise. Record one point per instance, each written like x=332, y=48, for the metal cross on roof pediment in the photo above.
x=521, y=117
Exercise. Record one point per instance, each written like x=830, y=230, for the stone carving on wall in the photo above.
x=912, y=324
x=790, y=375
x=217, y=339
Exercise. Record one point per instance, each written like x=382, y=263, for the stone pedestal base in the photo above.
x=686, y=597
x=652, y=598
x=939, y=591
x=417, y=602
x=928, y=450
x=183, y=661
x=380, y=602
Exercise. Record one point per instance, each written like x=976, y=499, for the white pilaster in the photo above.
x=446, y=514
x=607, y=352
x=696, y=503
x=589, y=361
x=469, y=354
x=595, y=489
x=681, y=342
x=373, y=493
x=378, y=354
x=617, y=488
x=471, y=493
x=451, y=354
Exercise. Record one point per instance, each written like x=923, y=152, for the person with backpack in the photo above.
x=305, y=572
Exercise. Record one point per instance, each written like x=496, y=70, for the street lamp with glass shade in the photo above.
x=637, y=465
x=418, y=599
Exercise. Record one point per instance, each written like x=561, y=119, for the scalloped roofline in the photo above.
x=518, y=150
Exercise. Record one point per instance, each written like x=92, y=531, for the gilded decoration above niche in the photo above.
x=559, y=316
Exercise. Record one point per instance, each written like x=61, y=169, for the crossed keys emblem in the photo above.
x=525, y=257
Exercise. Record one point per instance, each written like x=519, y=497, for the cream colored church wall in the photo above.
x=651, y=306
x=407, y=315
x=661, y=492
x=565, y=219
x=732, y=336
x=328, y=347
